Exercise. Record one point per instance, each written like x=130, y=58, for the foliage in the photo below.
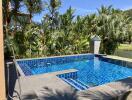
x=27, y=44
x=60, y=34
x=33, y=7
x=110, y=28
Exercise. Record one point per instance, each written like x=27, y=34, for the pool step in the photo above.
x=76, y=84
x=82, y=84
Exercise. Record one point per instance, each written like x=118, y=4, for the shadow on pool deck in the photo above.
x=54, y=90
x=49, y=94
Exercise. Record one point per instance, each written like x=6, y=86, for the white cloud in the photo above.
x=126, y=8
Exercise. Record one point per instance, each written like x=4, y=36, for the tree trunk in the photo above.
x=130, y=39
x=30, y=12
x=7, y=17
x=30, y=16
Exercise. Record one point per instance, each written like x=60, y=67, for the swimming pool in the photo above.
x=92, y=70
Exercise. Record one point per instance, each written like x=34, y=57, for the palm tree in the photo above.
x=111, y=27
x=12, y=15
x=53, y=7
x=67, y=20
x=6, y=14
x=33, y=7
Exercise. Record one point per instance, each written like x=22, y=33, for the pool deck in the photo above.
x=119, y=58
x=32, y=86
x=50, y=87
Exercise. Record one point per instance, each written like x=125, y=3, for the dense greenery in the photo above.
x=60, y=34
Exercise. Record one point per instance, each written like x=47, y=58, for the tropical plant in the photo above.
x=60, y=34
x=53, y=14
x=111, y=27
x=33, y=7
x=67, y=20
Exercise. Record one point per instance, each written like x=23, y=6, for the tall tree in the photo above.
x=111, y=27
x=53, y=7
x=67, y=20
x=6, y=14
x=33, y=7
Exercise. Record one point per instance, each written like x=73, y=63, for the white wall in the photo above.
x=96, y=47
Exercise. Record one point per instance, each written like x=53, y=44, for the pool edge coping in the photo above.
x=18, y=68
x=54, y=56
x=119, y=58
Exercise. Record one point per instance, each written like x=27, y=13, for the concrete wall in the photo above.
x=2, y=75
x=96, y=47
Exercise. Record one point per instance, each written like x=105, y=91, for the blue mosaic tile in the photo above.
x=91, y=70
x=57, y=60
x=25, y=68
x=72, y=75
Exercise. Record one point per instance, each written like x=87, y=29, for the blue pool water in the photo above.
x=91, y=70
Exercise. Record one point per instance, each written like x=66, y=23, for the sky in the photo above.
x=84, y=7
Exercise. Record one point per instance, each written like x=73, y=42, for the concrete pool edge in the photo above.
x=119, y=58
x=128, y=61
x=18, y=68
x=54, y=56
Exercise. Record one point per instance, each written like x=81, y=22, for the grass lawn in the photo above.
x=124, y=50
